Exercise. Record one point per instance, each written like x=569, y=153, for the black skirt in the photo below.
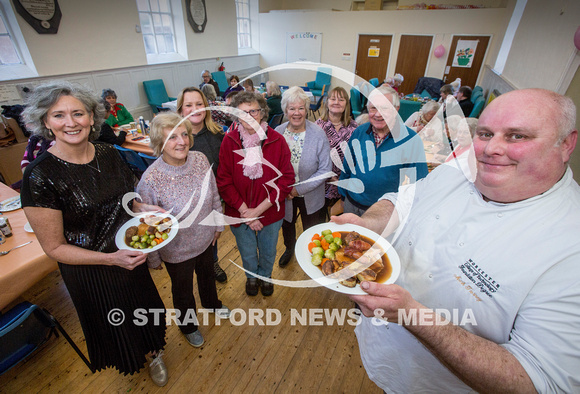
x=106, y=295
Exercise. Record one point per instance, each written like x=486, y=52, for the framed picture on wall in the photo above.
x=43, y=15
x=196, y=15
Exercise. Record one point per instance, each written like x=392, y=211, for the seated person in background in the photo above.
x=382, y=151
x=249, y=85
x=456, y=85
x=108, y=135
x=37, y=145
x=446, y=90
x=338, y=126
x=118, y=114
x=217, y=116
x=464, y=99
x=206, y=78
x=229, y=99
x=234, y=86
x=273, y=99
x=419, y=119
x=499, y=253
x=395, y=81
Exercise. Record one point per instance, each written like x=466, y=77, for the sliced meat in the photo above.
x=350, y=282
x=367, y=274
x=352, y=236
x=359, y=245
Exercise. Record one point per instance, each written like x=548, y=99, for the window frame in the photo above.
x=26, y=68
x=178, y=31
x=239, y=22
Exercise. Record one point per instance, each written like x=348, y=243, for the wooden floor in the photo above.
x=235, y=357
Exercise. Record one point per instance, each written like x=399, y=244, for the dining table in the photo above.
x=23, y=267
x=139, y=143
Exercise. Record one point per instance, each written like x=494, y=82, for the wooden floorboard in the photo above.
x=286, y=357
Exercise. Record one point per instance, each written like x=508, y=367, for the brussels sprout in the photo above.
x=132, y=243
x=334, y=247
x=329, y=254
x=326, y=232
x=316, y=242
x=144, y=238
x=338, y=241
x=135, y=238
x=164, y=236
x=329, y=238
x=316, y=259
x=153, y=243
x=318, y=251
x=157, y=234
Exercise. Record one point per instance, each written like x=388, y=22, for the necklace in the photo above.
x=98, y=168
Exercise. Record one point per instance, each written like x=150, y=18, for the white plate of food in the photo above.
x=10, y=204
x=372, y=252
x=147, y=232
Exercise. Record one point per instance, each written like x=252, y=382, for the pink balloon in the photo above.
x=440, y=50
x=577, y=38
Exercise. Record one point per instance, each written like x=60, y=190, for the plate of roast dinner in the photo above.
x=147, y=233
x=340, y=256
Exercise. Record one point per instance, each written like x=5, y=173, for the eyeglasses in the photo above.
x=253, y=112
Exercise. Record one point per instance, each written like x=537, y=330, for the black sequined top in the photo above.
x=89, y=195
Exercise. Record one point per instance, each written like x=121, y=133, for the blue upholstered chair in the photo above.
x=146, y=158
x=374, y=82
x=133, y=160
x=477, y=107
x=355, y=102
x=23, y=329
x=156, y=93
x=222, y=81
x=323, y=76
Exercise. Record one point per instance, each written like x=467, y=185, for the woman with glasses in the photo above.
x=310, y=157
x=254, y=177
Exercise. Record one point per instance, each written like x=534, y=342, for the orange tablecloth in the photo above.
x=23, y=267
x=138, y=146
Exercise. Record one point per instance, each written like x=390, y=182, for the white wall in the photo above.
x=543, y=45
x=341, y=29
x=100, y=35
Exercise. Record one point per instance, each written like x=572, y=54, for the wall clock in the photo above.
x=196, y=15
x=43, y=15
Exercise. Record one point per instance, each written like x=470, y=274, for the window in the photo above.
x=8, y=53
x=15, y=59
x=243, y=17
x=157, y=26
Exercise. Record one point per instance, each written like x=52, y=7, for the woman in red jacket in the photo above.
x=254, y=176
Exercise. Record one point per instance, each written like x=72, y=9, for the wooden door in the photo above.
x=468, y=75
x=372, y=56
x=412, y=60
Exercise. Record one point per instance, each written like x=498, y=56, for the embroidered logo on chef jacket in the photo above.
x=480, y=279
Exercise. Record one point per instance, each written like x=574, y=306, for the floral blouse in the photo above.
x=335, y=138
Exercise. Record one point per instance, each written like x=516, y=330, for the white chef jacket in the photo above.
x=514, y=268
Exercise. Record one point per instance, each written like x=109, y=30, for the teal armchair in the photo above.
x=355, y=102
x=477, y=107
x=323, y=76
x=222, y=81
x=156, y=93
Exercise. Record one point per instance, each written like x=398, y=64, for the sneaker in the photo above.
x=195, y=339
x=285, y=258
x=223, y=312
x=220, y=274
x=158, y=370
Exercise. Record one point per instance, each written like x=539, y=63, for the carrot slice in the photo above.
x=310, y=246
x=315, y=236
x=336, y=234
x=324, y=244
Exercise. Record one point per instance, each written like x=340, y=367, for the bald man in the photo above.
x=489, y=293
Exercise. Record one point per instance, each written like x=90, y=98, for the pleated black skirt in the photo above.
x=121, y=314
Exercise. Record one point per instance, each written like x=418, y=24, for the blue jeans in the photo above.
x=257, y=248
